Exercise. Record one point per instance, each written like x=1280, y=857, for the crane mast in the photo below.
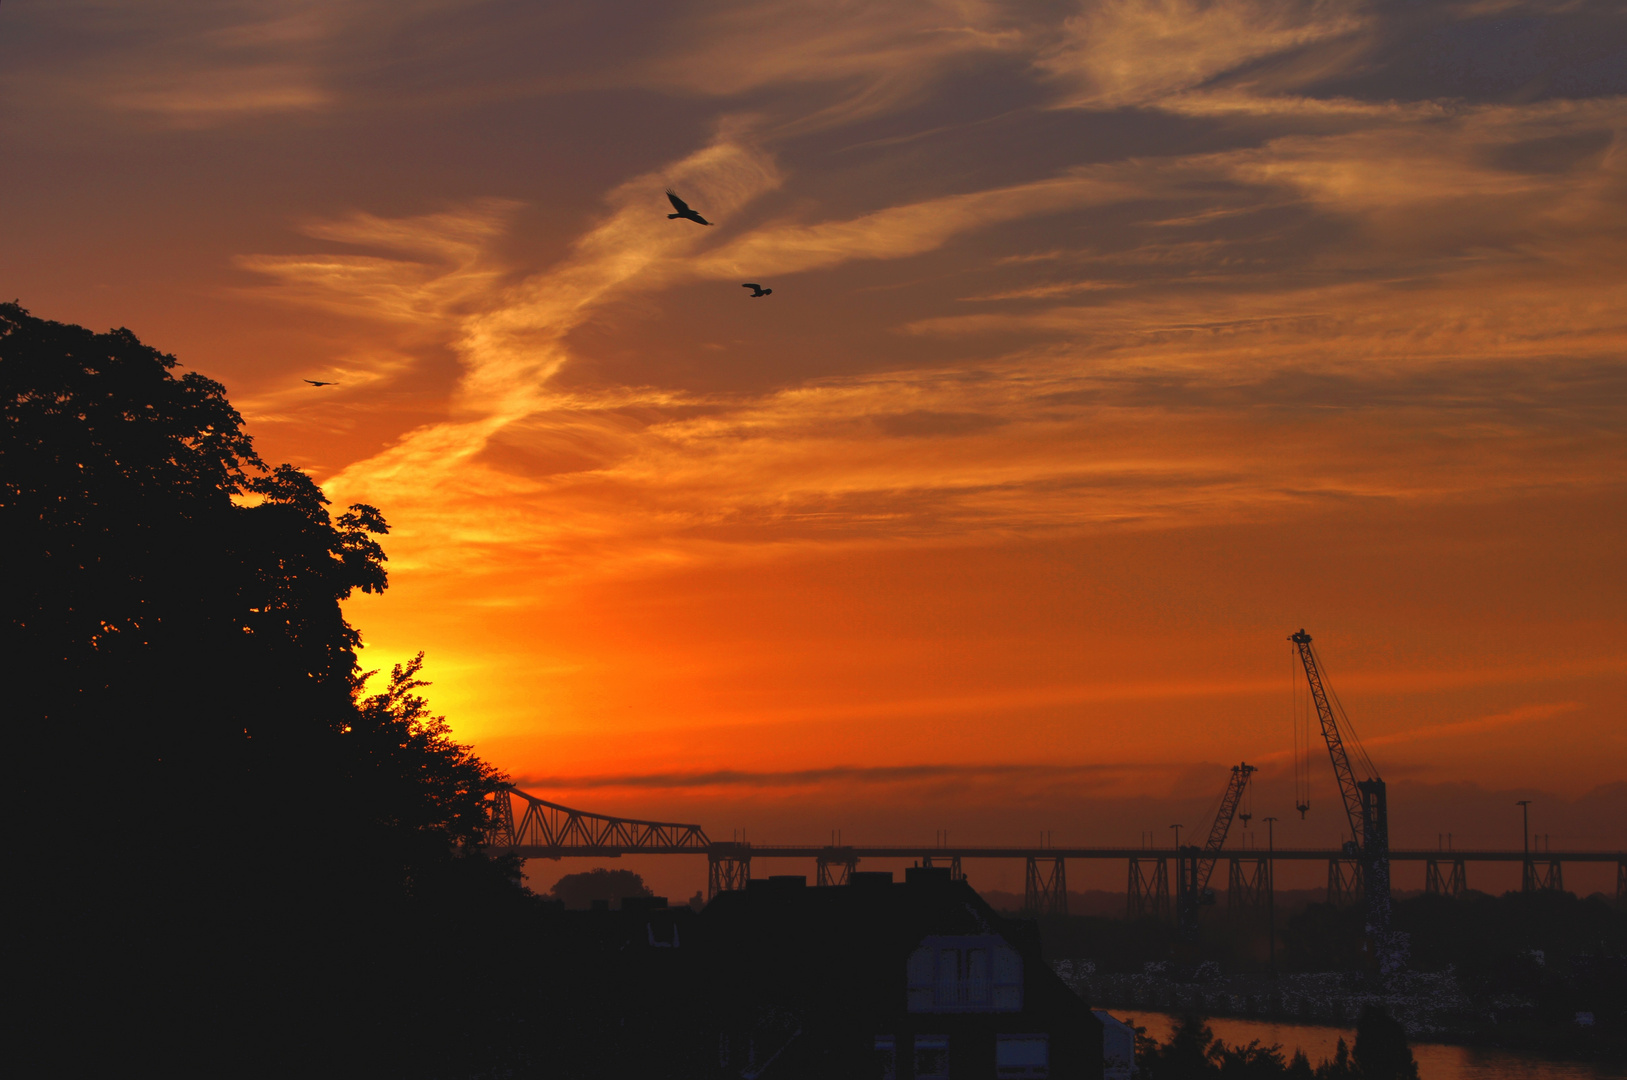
x=1365, y=801
x=1194, y=865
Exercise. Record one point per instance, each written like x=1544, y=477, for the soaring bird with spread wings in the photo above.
x=756, y=290
x=683, y=210
x=313, y=382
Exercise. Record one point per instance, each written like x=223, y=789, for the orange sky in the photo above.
x=1110, y=342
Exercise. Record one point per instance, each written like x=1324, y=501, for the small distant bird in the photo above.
x=683, y=209
x=313, y=382
x=757, y=290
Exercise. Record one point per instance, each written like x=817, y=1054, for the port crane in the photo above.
x=1364, y=800
x=1195, y=864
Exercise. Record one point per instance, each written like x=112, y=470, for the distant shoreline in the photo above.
x=1431, y=1005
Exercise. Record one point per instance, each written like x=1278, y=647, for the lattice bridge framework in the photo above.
x=547, y=830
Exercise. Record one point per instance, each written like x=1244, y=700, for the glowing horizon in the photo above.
x=1109, y=344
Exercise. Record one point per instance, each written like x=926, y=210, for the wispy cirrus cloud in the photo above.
x=454, y=267
x=191, y=65
x=1121, y=52
x=1524, y=714
x=901, y=231
x=871, y=58
x=1041, y=438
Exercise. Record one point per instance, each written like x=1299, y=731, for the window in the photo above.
x=931, y=1057
x=1008, y=980
x=1022, y=1056
x=886, y=1058
x=965, y=974
x=918, y=972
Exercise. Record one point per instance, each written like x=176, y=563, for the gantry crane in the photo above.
x=1364, y=800
x=1194, y=864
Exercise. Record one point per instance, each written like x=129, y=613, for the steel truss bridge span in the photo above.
x=547, y=830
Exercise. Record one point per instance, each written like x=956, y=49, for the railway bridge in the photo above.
x=548, y=830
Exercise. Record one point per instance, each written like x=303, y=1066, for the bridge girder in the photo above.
x=549, y=825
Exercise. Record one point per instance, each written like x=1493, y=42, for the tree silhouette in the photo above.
x=580, y=890
x=1381, y=1051
x=226, y=842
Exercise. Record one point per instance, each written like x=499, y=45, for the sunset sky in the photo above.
x=1110, y=343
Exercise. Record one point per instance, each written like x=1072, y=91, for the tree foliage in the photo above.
x=228, y=835
x=582, y=889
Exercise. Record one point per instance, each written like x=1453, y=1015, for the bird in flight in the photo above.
x=757, y=290
x=683, y=210
x=313, y=382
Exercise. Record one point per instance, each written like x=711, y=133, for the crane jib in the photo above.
x=1222, y=824
x=1348, y=790
x=1365, y=809
x=1194, y=865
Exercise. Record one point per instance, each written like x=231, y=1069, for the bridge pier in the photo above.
x=954, y=865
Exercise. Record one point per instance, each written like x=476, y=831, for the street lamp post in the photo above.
x=1526, y=884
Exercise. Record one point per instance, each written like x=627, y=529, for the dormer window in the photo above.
x=981, y=973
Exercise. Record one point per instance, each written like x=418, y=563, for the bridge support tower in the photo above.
x=728, y=867
x=1046, y=893
x=1453, y=883
x=836, y=866
x=954, y=865
x=500, y=819
x=1344, y=881
x=1543, y=874
x=1148, y=891
x=1249, y=884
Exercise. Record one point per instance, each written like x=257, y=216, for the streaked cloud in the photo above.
x=1525, y=714
x=875, y=57
x=1179, y=280
x=838, y=774
x=901, y=231
x=1042, y=438
x=1129, y=52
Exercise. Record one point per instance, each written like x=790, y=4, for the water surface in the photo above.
x=1436, y=1061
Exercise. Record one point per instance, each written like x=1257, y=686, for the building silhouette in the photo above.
x=912, y=980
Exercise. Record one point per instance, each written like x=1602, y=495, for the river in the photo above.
x=1436, y=1061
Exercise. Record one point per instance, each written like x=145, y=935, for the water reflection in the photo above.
x=1436, y=1061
